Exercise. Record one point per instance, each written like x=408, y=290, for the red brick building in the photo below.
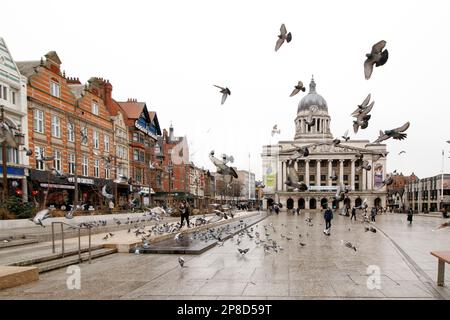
x=143, y=131
x=61, y=111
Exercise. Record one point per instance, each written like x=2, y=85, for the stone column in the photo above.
x=364, y=174
x=284, y=175
x=352, y=178
x=369, y=176
x=279, y=176
x=318, y=173
x=307, y=172
x=330, y=169
x=307, y=203
x=341, y=171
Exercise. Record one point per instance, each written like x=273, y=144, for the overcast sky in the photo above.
x=170, y=53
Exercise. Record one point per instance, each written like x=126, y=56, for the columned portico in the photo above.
x=327, y=158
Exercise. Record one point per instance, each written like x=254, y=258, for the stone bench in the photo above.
x=444, y=257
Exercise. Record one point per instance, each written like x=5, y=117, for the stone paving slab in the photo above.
x=323, y=269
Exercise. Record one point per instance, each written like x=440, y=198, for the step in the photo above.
x=15, y=276
x=54, y=256
x=67, y=261
x=16, y=242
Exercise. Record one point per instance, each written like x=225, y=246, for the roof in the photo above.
x=312, y=99
x=27, y=68
x=77, y=90
x=132, y=109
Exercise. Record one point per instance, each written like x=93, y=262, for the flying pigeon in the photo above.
x=275, y=130
x=377, y=56
x=348, y=244
x=284, y=35
x=292, y=179
x=394, y=133
x=299, y=87
x=299, y=152
x=310, y=121
x=334, y=176
x=42, y=157
x=84, y=135
x=181, y=261
x=7, y=135
x=69, y=214
x=225, y=93
x=336, y=142
x=105, y=237
x=40, y=216
x=365, y=165
x=362, y=118
x=401, y=152
x=106, y=194
x=378, y=156
x=340, y=193
x=345, y=136
x=444, y=225
x=28, y=152
x=243, y=251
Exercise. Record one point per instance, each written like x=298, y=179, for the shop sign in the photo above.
x=56, y=186
x=81, y=180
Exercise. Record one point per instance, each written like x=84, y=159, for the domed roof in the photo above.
x=312, y=99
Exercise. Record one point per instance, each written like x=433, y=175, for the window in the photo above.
x=106, y=142
x=84, y=166
x=57, y=160
x=312, y=177
x=13, y=97
x=138, y=177
x=136, y=155
x=38, y=121
x=72, y=163
x=3, y=92
x=107, y=173
x=96, y=168
x=39, y=164
x=345, y=176
x=95, y=137
x=55, y=89
x=95, y=108
x=70, y=132
x=135, y=136
x=12, y=155
x=323, y=177
x=56, y=127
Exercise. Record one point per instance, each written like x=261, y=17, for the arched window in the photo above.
x=312, y=203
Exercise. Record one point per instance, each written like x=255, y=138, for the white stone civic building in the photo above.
x=316, y=169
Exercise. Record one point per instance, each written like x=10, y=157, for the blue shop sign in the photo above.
x=13, y=171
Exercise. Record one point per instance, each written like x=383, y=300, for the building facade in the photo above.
x=13, y=99
x=325, y=158
x=428, y=194
x=396, y=199
x=143, y=132
x=247, y=181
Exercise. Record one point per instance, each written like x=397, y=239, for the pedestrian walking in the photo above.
x=328, y=216
x=373, y=213
x=277, y=209
x=410, y=215
x=184, y=211
x=298, y=211
x=353, y=214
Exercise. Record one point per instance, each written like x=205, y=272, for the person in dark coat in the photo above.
x=373, y=213
x=184, y=211
x=277, y=209
x=353, y=214
x=328, y=216
x=410, y=215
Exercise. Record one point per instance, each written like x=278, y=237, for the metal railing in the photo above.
x=62, y=239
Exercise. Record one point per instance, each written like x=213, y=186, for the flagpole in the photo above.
x=442, y=179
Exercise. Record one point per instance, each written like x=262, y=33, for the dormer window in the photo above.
x=55, y=89
x=95, y=108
